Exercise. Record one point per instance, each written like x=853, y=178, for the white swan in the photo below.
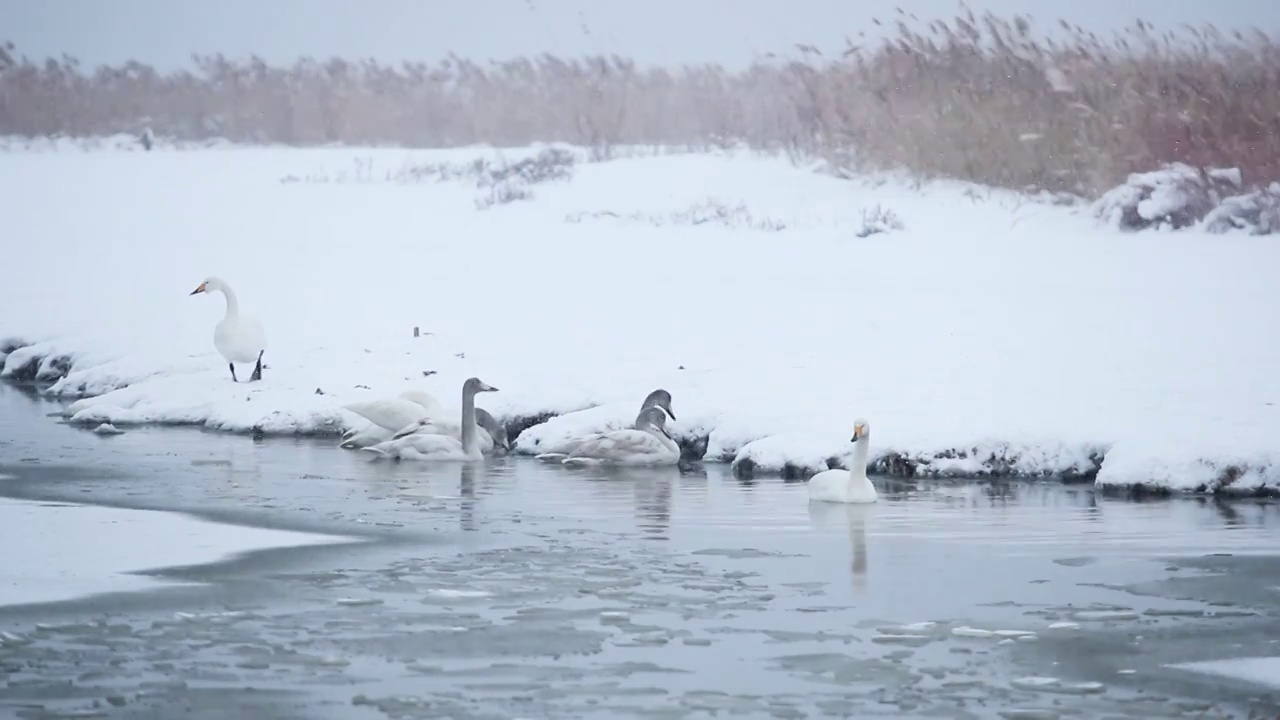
x=238, y=338
x=556, y=453
x=432, y=446
x=847, y=486
x=647, y=444
x=394, y=413
x=489, y=434
x=389, y=411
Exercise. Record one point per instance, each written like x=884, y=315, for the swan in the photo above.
x=394, y=413
x=389, y=411
x=238, y=338
x=646, y=444
x=489, y=434
x=431, y=446
x=847, y=486
x=556, y=453
x=495, y=429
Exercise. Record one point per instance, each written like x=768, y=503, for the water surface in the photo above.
x=519, y=589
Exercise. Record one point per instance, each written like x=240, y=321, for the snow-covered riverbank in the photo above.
x=981, y=332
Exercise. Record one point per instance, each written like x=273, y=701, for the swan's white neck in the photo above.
x=233, y=304
x=468, y=422
x=858, y=465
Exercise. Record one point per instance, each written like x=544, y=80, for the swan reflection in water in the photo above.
x=467, y=491
x=652, y=502
x=853, y=517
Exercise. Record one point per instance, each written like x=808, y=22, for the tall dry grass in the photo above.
x=977, y=98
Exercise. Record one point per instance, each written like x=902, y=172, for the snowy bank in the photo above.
x=980, y=333
x=61, y=551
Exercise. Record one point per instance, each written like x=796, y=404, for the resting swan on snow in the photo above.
x=847, y=486
x=647, y=444
x=387, y=415
x=432, y=446
x=556, y=453
x=238, y=338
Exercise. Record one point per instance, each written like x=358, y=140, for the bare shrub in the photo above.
x=978, y=98
x=551, y=164
x=705, y=212
x=499, y=183
x=877, y=220
x=503, y=192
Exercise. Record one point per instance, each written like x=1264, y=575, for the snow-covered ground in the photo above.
x=990, y=333
x=61, y=551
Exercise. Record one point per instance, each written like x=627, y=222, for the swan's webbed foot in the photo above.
x=257, y=369
x=233, y=372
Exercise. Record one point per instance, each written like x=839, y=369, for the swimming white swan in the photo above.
x=432, y=446
x=238, y=338
x=389, y=411
x=646, y=444
x=556, y=453
x=847, y=486
x=489, y=434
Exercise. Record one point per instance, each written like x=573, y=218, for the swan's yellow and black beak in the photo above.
x=858, y=432
x=486, y=387
x=198, y=290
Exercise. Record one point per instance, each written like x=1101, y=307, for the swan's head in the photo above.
x=493, y=427
x=653, y=417
x=210, y=284
x=860, y=430
x=476, y=385
x=659, y=398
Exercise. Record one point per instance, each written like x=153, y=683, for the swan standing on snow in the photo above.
x=556, y=453
x=431, y=446
x=647, y=444
x=851, y=486
x=387, y=415
x=238, y=338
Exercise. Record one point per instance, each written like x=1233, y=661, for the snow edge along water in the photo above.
x=48, y=365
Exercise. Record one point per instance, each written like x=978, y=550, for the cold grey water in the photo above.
x=518, y=589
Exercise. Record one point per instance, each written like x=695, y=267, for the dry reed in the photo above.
x=978, y=98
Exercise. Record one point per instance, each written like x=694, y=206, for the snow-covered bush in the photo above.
x=878, y=220
x=1257, y=212
x=1175, y=196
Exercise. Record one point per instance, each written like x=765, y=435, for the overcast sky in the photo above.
x=165, y=33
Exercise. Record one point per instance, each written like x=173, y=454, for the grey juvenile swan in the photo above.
x=647, y=444
x=658, y=398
